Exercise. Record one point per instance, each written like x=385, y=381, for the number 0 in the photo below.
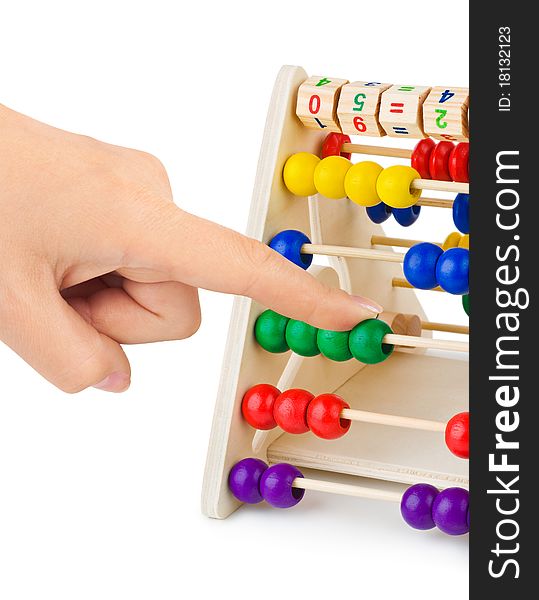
x=314, y=104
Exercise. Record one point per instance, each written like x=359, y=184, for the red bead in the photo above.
x=421, y=157
x=290, y=410
x=324, y=416
x=457, y=435
x=257, y=406
x=333, y=143
x=458, y=162
x=439, y=161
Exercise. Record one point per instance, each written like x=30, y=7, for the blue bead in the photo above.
x=420, y=265
x=406, y=216
x=461, y=213
x=379, y=213
x=452, y=271
x=288, y=243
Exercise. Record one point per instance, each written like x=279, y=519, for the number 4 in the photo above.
x=447, y=95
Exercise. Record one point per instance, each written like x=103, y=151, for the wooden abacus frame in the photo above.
x=410, y=382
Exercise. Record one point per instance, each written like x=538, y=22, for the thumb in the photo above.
x=203, y=254
x=54, y=339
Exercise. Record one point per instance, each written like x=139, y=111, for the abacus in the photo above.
x=385, y=400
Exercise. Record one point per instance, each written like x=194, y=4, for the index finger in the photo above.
x=206, y=255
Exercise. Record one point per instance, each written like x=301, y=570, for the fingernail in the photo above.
x=368, y=304
x=115, y=382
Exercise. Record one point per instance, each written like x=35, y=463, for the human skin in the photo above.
x=95, y=254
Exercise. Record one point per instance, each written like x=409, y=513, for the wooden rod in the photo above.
x=391, y=420
x=382, y=240
x=347, y=252
x=449, y=327
x=440, y=186
x=413, y=341
x=399, y=282
x=377, y=150
x=344, y=489
x=436, y=202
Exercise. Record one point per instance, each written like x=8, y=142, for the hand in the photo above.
x=95, y=254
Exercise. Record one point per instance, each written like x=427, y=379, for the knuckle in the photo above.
x=78, y=371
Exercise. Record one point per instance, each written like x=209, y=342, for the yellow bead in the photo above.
x=360, y=183
x=394, y=186
x=465, y=241
x=298, y=173
x=329, y=176
x=452, y=240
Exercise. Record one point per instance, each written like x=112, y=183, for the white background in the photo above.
x=99, y=493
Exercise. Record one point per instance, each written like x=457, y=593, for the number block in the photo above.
x=359, y=106
x=318, y=98
x=401, y=110
x=445, y=114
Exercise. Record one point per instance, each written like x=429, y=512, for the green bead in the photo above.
x=301, y=337
x=270, y=328
x=334, y=344
x=466, y=303
x=366, y=341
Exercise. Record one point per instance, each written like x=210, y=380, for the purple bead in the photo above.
x=276, y=486
x=416, y=505
x=450, y=511
x=244, y=480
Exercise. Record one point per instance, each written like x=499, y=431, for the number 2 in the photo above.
x=440, y=118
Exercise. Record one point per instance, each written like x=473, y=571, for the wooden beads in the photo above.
x=257, y=406
x=328, y=416
x=290, y=410
x=302, y=338
x=394, y=186
x=461, y=213
x=289, y=243
x=270, y=331
x=324, y=416
x=334, y=344
x=424, y=507
x=365, y=342
x=298, y=173
x=442, y=161
x=283, y=485
x=360, y=183
x=329, y=176
x=457, y=435
x=426, y=265
x=466, y=304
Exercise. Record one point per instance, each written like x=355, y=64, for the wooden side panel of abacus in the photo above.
x=274, y=209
